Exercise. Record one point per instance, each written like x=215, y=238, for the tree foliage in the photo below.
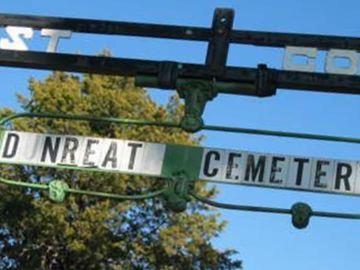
x=89, y=233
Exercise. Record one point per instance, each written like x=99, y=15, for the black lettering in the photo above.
x=319, y=173
x=10, y=153
x=111, y=156
x=89, y=152
x=275, y=169
x=343, y=176
x=71, y=145
x=51, y=149
x=231, y=165
x=300, y=171
x=134, y=147
x=208, y=157
x=256, y=171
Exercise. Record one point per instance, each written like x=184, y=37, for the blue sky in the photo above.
x=264, y=241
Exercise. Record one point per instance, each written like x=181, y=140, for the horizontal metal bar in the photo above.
x=85, y=192
x=76, y=63
x=259, y=38
x=240, y=207
x=319, y=82
x=140, y=122
x=274, y=39
x=271, y=209
x=107, y=27
x=295, y=135
x=4, y=121
x=336, y=215
x=131, y=67
x=111, y=65
x=221, y=86
x=114, y=196
x=23, y=184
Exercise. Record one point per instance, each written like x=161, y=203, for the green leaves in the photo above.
x=89, y=233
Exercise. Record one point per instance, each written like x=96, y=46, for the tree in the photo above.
x=90, y=233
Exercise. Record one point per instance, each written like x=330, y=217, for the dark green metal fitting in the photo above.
x=176, y=195
x=57, y=190
x=301, y=214
x=196, y=94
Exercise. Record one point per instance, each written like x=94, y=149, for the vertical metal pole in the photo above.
x=220, y=41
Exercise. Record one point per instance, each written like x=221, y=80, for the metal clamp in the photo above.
x=58, y=190
x=300, y=215
x=176, y=194
x=168, y=74
x=265, y=86
x=196, y=94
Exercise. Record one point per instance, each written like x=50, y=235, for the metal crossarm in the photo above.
x=196, y=83
x=130, y=67
x=258, y=38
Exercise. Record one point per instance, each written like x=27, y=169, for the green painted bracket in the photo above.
x=181, y=170
x=176, y=195
x=196, y=94
x=58, y=190
x=301, y=214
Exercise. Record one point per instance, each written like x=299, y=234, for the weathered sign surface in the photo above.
x=160, y=160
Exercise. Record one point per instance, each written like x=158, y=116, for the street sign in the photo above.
x=161, y=160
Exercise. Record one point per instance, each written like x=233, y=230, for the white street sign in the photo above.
x=209, y=164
